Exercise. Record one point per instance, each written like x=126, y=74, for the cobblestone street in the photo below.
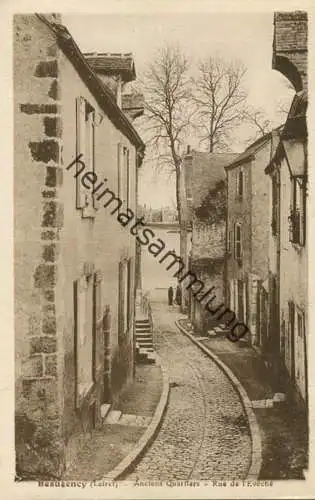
x=204, y=434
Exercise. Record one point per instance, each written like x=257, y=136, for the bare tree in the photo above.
x=220, y=98
x=258, y=121
x=167, y=94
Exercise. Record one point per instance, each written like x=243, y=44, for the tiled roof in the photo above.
x=207, y=171
x=294, y=128
x=132, y=101
x=112, y=64
x=296, y=121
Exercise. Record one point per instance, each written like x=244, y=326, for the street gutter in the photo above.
x=128, y=463
x=256, y=459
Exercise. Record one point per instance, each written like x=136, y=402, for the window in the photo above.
x=237, y=242
x=84, y=323
x=297, y=211
x=123, y=174
x=275, y=188
x=240, y=184
x=85, y=148
x=300, y=323
x=128, y=177
x=124, y=299
x=229, y=241
x=291, y=341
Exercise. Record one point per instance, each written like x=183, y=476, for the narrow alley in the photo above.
x=204, y=433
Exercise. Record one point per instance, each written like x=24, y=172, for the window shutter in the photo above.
x=120, y=171
x=129, y=190
x=76, y=342
x=301, y=209
x=240, y=186
x=237, y=242
x=120, y=301
x=81, y=148
x=90, y=157
x=97, y=325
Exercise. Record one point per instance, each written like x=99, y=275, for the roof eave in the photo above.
x=237, y=163
x=102, y=94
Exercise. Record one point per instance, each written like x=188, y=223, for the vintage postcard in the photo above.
x=161, y=209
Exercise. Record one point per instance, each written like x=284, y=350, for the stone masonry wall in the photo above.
x=290, y=46
x=38, y=220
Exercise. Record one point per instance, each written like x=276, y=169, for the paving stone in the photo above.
x=204, y=434
x=113, y=417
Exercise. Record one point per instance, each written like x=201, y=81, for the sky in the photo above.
x=244, y=36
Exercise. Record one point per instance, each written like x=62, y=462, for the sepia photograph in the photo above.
x=160, y=174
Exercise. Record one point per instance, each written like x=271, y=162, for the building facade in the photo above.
x=287, y=175
x=247, y=237
x=74, y=262
x=206, y=202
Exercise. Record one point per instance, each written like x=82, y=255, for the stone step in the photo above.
x=145, y=340
x=145, y=328
x=143, y=334
x=105, y=408
x=140, y=322
x=113, y=417
x=144, y=350
x=144, y=346
x=139, y=338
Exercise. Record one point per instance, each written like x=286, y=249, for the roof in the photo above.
x=295, y=125
x=112, y=64
x=250, y=152
x=101, y=92
x=294, y=128
x=207, y=171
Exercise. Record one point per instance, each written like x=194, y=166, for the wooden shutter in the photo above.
x=120, y=171
x=128, y=176
x=76, y=334
x=237, y=242
x=120, y=301
x=240, y=183
x=130, y=291
x=81, y=148
x=97, y=325
x=90, y=155
x=83, y=321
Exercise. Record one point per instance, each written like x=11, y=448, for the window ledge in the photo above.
x=89, y=212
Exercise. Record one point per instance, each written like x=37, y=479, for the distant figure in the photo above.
x=170, y=296
x=178, y=296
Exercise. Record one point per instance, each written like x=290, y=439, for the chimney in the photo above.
x=115, y=70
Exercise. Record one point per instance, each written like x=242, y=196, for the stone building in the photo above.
x=74, y=262
x=288, y=252
x=247, y=236
x=206, y=203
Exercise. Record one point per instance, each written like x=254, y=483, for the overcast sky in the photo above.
x=247, y=37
